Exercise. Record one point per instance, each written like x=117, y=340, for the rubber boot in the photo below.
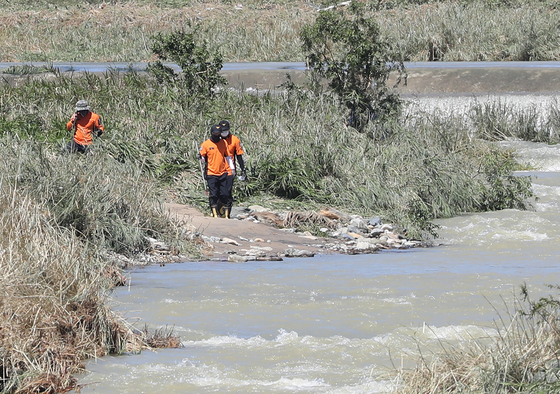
x=222, y=212
x=215, y=213
x=227, y=212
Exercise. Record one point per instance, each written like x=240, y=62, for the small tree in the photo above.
x=200, y=68
x=347, y=49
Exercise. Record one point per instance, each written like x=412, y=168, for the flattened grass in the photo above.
x=478, y=30
x=298, y=147
x=61, y=213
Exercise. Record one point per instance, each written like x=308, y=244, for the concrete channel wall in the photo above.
x=427, y=78
x=434, y=79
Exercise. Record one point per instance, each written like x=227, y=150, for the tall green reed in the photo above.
x=297, y=147
x=498, y=120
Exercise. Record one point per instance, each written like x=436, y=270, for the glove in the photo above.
x=243, y=176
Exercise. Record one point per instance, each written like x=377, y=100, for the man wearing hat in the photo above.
x=235, y=150
x=214, y=154
x=85, y=125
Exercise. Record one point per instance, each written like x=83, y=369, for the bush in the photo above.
x=200, y=69
x=348, y=50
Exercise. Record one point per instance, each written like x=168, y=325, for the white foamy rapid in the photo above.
x=337, y=324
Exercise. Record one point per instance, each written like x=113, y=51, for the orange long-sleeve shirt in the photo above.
x=85, y=127
x=234, y=148
x=215, y=154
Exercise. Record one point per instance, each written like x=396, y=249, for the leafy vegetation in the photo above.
x=346, y=48
x=298, y=147
x=200, y=71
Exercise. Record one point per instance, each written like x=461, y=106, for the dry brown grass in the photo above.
x=307, y=219
x=164, y=337
x=253, y=30
x=522, y=358
x=122, y=32
x=54, y=284
x=52, y=308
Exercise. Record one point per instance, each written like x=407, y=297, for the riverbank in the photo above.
x=255, y=233
x=300, y=154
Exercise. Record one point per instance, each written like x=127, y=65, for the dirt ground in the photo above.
x=242, y=236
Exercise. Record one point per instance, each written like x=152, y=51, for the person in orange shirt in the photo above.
x=235, y=150
x=214, y=153
x=85, y=125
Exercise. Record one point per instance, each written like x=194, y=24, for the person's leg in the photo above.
x=229, y=191
x=74, y=147
x=220, y=208
x=70, y=147
x=225, y=195
x=213, y=193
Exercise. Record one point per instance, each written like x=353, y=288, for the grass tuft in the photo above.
x=522, y=358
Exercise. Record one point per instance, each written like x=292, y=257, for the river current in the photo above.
x=337, y=323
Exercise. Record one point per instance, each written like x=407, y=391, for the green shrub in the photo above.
x=200, y=68
x=348, y=50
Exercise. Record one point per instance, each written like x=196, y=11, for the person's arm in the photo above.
x=98, y=127
x=239, y=159
x=203, y=160
x=243, y=174
x=72, y=122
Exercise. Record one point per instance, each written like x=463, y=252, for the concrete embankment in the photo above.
x=433, y=78
x=426, y=78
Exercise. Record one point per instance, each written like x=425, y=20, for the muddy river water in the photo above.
x=343, y=324
x=338, y=323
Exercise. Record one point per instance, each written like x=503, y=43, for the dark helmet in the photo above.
x=224, y=124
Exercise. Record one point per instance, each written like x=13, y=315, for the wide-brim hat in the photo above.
x=82, y=105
